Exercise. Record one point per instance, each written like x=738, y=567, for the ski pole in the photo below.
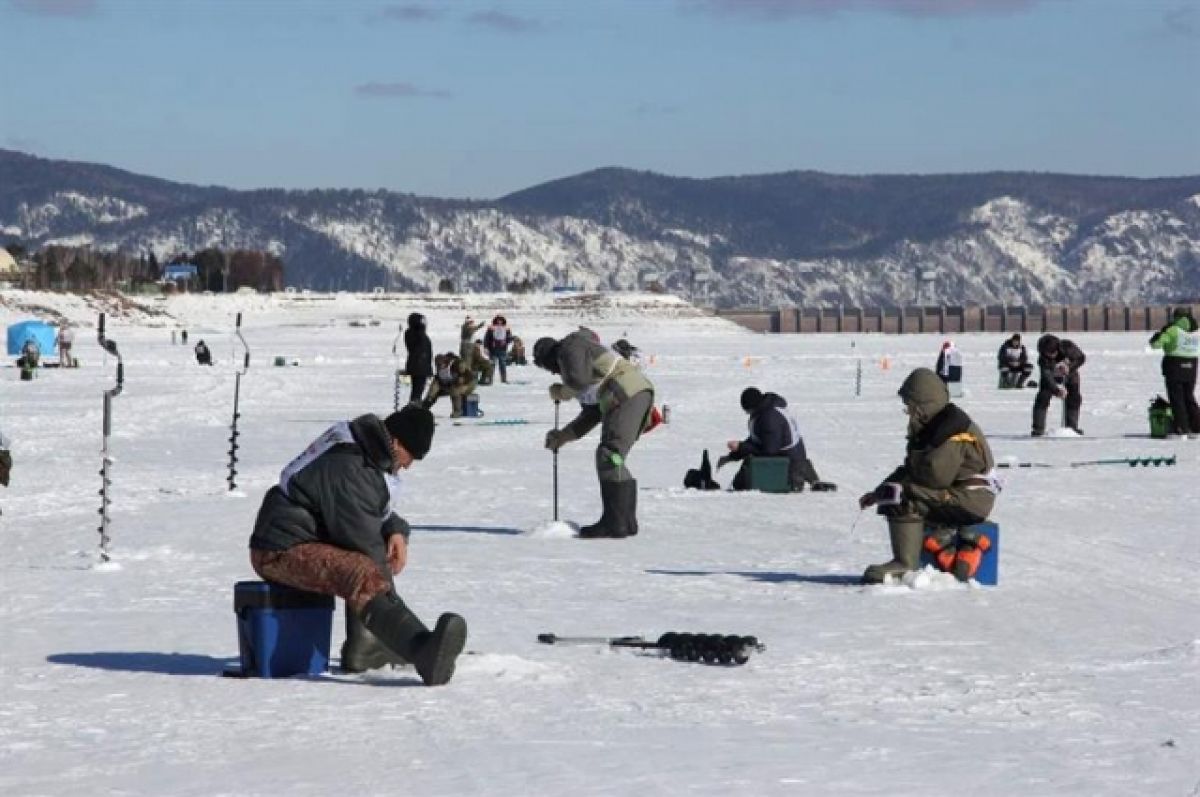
x=556, y=403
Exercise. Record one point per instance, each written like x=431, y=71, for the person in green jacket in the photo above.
x=1180, y=344
x=947, y=480
x=612, y=392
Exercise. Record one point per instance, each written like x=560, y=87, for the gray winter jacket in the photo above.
x=341, y=497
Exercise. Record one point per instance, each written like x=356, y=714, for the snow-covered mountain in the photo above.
x=796, y=238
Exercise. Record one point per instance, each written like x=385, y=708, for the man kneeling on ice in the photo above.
x=330, y=526
x=947, y=480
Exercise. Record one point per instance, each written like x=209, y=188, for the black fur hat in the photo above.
x=751, y=398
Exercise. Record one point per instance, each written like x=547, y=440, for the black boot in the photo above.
x=362, y=650
x=609, y=525
x=431, y=652
x=627, y=507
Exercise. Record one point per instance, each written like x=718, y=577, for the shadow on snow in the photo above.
x=769, y=577
x=146, y=661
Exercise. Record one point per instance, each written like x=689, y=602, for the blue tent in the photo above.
x=45, y=335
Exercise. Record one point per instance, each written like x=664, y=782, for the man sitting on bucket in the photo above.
x=330, y=526
x=773, y=433
x=947, y=480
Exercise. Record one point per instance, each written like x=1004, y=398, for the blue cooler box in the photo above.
x=282, y=631
x=988, y=573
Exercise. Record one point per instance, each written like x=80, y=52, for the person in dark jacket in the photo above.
x=773, y=433
x=947, y=480
x=612, y=392
x=1013, y=362
x=330, y=526
x=419, y=364
x=1059, y=362
x=203, y=355
x=1180, y=344
x=496, y=342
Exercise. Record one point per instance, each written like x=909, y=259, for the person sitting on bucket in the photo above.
x=949, y=363
x=32, y=353
x=947, y=480
x=773, y=433
x=203, y=355
x=1013, y=362
x=516, y=354
x=612, y=392
x=330, y=526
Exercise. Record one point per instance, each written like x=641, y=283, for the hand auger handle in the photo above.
x=556, y=405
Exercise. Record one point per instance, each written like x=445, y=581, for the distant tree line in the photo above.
x=74, y=268
x=219, y=271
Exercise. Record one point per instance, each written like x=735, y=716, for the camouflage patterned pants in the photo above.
x=327, y=569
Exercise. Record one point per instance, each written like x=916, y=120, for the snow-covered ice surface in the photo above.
x=1077, y=675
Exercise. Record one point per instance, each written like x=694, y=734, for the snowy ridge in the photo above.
x=1002, y=249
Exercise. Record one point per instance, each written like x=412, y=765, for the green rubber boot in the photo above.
x=610, y=525
x=362, y=650
x=906, y=537
x=433, y=653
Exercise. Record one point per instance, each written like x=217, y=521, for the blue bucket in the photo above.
x=282, y=631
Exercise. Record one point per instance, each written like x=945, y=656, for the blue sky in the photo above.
x=477, y=99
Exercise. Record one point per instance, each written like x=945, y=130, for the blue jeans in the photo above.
x=501, y=359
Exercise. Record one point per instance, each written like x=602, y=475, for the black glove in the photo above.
x=557, y=438
x=1154, y=338
x=427, y=403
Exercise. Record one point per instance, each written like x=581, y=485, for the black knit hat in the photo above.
x=751, y=398
x=413, y=427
